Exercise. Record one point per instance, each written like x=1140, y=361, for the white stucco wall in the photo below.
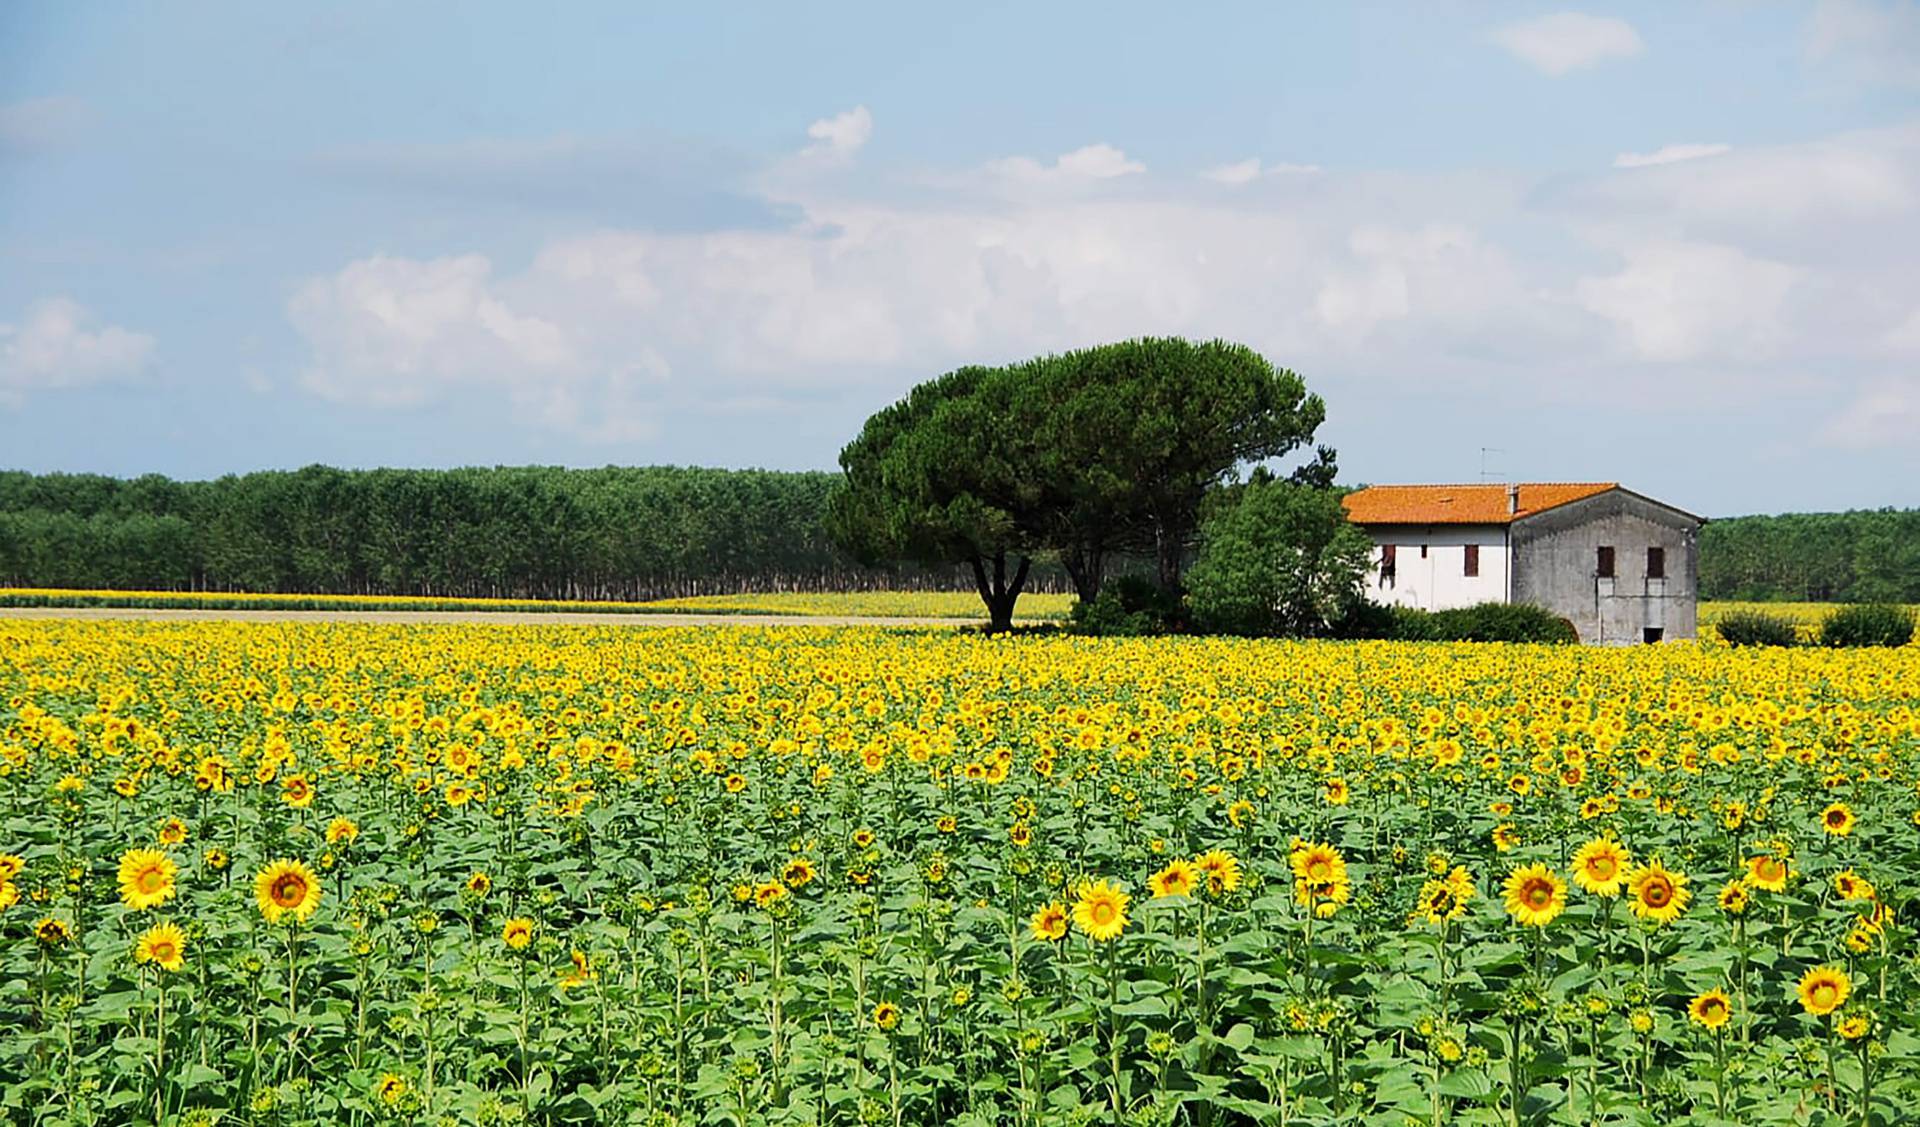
x=1439, y=580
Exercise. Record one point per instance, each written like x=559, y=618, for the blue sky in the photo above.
x=1669, y=244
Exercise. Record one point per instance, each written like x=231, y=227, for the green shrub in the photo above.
x=1868, y=624
x=1128, y=607
x=1485, y=622
x=1280, y=559
x=1501, y=622
x=1756, y=628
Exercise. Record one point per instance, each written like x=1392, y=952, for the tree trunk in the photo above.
x=1087, y=568
x=997, y=592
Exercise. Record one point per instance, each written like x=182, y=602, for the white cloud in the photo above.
x=1905, y=337
x=1885, y=413
x=1679, y=301
x=1877, y=40
x=1759, y=270
x=1247, y=171
x=1090, y=162
x=841, y=135
x=1669, y=154
x=394, y=331
x=1564, y=42
x=56, y=345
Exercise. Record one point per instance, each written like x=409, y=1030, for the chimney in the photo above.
x=1513, y=499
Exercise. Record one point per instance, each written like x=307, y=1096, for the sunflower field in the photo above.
x=311, y=873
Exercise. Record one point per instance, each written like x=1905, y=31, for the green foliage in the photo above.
x=1132, y=436
x=1860, y=556
x=940, y=478
x=1756, y=628
x=1084, y=456
x=1129, y=607
x=532, y=532
x=1483, y=622
x=1867, y=624
x=1280, y=559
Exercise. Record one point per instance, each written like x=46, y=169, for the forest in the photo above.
x=510, y=532
x=652, y=532
x=1867, y=555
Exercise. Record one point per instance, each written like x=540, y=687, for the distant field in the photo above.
x=918, y=604
x=887, y=604
x=859, y=604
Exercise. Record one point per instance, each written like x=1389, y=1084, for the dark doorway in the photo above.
x=1652, y=634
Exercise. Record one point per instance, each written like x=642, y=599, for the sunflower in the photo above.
x=53, y=932
x=215, y=858
x=769, y=893
x=1734, y=897
x=579, y=971
x=1600, y=867
x=479, y=884
x=1049, y=924
x=1317, y=863
x=1320, y=879
x=798, y=873
x=1440, y=902
x=1101, y=910
x=1220, y=869
x=1769, y=872
x=164, y=945
x=1838, y=819
x=1535, y=895
x=11, y=865
x=1338, y=793
x=285, y=888
x=297, y=791
x=1177, y=879
x=173, y=831
x=1711, y=1010
x=1823, y=990
x=886, y=1015
x=863, y=838
x=1853, y=1026
x=9, y=895
x=342, y=830
x=517, y=933
x=1659, y=894
x=392, y=1088
x=736, y=783
x=1849, y=885
x=1020, y=834
x=146, y=878
x=1505, y=836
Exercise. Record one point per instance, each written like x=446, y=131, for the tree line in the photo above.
x=533, y=532
x=1867, y=555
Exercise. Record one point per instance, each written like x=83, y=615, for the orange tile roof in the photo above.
x=1462, y=504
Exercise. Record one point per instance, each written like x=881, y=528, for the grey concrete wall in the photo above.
x=1555, y=565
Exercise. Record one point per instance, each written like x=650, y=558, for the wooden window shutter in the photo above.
x=1656, y=563
x=1604, y=565
x=1473, y=560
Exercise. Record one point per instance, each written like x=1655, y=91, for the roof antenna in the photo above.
x=1484, y=451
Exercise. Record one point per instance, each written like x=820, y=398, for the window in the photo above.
x=1473, y=561
x=1386, y=565
x=1656, y=563
x=1423, y=551
x=1603, y=567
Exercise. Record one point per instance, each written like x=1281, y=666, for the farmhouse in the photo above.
x=1620, y=566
